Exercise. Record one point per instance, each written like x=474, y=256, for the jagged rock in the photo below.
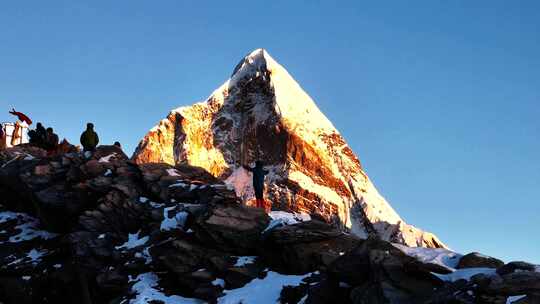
x=516, y=265
x=516, y=283
x=183, y=184
x=306, y=246
x=385, y=274
x=327, y=291
x=21, y=152
x=475, y=259
x=233, y=227
x=292, y=294
x=181, y=257
x=237, y=277
x=109, y=153
x=261, y=113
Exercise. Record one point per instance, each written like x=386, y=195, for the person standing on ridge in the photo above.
x=51, y=142
x=16, y=137
x=89, y=138
x=41, y=135
x=2, y=138
x=258, y=184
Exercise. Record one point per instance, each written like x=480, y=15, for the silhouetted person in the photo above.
x=258, y=183
x=16, y=137
x=32, y=137
x=117, y=144
x=2, y=138
x=89, y=138
x=41, y=135
x=51, y=141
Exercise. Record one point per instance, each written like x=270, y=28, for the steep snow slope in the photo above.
x=262, y=113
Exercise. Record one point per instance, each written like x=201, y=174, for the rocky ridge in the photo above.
x=108, y=230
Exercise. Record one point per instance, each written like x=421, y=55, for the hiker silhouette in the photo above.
x=258, y=183
x=51, y=141
x=89, y=138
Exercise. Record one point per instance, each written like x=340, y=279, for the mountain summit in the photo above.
x=262, y=113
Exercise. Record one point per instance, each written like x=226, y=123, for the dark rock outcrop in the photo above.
x=475, y=259
x=306, y=246
x=384, y=274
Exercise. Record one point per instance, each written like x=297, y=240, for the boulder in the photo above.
x=515, y=266
x=109, y=153
x=233, y=227
x=384, y=274
x=516, y=283
x=476, y=260
x=183, y=183
x=306, y=246
x=180, y=257
x=326, y=290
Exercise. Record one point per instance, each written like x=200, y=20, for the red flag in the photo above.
x=22, y=117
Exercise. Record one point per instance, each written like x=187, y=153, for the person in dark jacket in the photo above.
x=41, y=135
x=51, y=141
x=258, y=184
x=32, y=137
x=89, y=138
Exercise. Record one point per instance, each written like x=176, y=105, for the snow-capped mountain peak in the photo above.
x=262, y=113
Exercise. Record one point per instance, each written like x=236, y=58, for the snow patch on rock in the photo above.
x=442, y=257
x=176, y=221
x=173, y=172
x=282, y=218
x=244, y=260
x=219, y=282
x=465, y=273
x=134, y=240
x=513, y=299
x=27, y=225
x=106, y=159
x=261, y=291
x=33, y=256
x=147, y=290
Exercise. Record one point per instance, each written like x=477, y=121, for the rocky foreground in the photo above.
x=107, y=230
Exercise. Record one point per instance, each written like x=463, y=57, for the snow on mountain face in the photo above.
x=262, y=113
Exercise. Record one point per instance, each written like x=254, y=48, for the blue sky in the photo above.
x=439, y=99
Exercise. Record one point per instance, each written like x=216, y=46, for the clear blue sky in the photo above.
x=439, y=99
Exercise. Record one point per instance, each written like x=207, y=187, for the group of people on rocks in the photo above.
x=46, y=139
x=43, y=138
